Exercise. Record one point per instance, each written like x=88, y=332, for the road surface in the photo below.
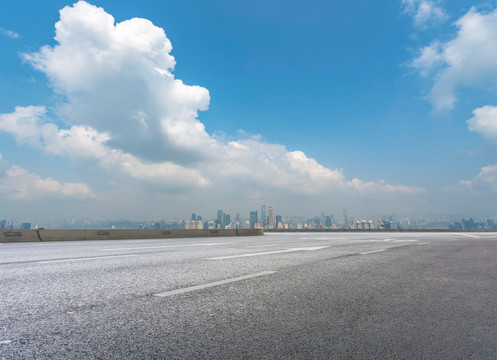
x=277, y=296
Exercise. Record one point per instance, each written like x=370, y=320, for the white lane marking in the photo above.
x=267, y=245
x=215, y=283
x=370, y=252
x=468, y=235
x=423, y=243
x=268, y=253
x=322, y=238
x=5, y=342
x=83, y=259
x=143, y=241
x=404, y=240
x=162, y=246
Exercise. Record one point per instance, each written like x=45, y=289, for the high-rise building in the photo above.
x=219, y=219
x=190, y=224
x=253, y=219
x=194, y=216
x=270, y=218
x=279, y=222
x=3, y=224
x=345, y=218
x=26, y=226
x=263, y=216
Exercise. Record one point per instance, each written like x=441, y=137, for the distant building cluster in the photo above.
x=9, y=225
x=470, y=224
x=267, y=219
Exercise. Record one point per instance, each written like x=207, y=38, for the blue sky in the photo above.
x=379, y=107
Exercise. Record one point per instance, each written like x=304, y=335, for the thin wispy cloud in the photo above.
x=9, y=33
x=469, y=60
x=425, y=12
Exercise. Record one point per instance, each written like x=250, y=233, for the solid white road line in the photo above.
x=268, y=253
x=216, y=283
x=162, y=246
x=468, y=235
x=370, y=252
x=83, y=259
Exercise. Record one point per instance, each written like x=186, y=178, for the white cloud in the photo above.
x=118, y=79
x=83, y=143
x=9, y=33
x=125, y=112
x=468, y=60
x=483, y=183
x=424, y=12
x=3, y=166
x=484, y=121
x=18, y=183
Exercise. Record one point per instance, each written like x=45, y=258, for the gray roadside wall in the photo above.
x=71, y=235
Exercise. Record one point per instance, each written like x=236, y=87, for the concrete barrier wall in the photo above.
x=70, y=235
x=18, y=236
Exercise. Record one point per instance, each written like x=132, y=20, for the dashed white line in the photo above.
x=322, y=238
x=372, y=251
x=84, y=259
x=5, y=342
x=266, y=245
x=424, y=243
x=162, y=246
x=468, y=235
x=268, y=253
x=216, y=283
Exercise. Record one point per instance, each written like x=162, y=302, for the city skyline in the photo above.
x=131, y=110
x=267, y=221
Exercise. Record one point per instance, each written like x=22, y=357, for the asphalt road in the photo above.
x=278, y=296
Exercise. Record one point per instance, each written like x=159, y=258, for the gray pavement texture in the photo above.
x=277, y=296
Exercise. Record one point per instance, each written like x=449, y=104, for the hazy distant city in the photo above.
x=266, y=218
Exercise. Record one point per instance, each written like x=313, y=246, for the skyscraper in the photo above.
x=270, y=217
x=263, y=216
x=219, y=219
x=345, y=218
x=253, y=219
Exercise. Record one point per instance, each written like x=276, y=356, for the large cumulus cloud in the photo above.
x=123, y=109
